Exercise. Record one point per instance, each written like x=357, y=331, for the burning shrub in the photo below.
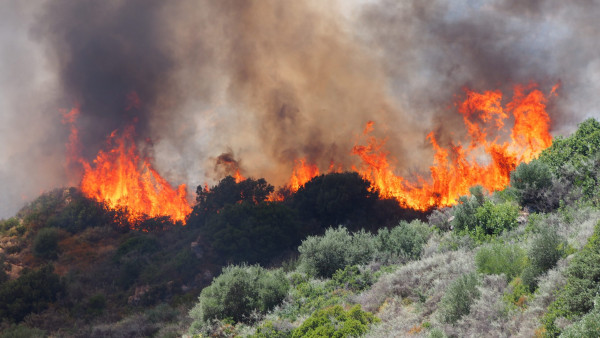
x=323, y=255
x=237, y=292
x=45, y=244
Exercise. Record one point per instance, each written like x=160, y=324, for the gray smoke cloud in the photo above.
x=267, y=82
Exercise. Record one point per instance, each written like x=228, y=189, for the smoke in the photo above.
x=273, y=81
x=432, y=49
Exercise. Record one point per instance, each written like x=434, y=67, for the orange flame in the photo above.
x=238, y=176
x=456, y=169
x=302, y=173
x=122, y=179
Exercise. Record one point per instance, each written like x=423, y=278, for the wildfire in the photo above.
x=123, y=179
x=455, y=169
x=302, y=173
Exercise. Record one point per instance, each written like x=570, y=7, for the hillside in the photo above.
x=331, y=259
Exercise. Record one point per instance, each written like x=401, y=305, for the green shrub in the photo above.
x=544, y=253
x=252, y=233
x=22, y=331
x=141, y=244
x=45, y=243
x=492, y=218
x=517, y=294
x=81, y=213
x=405, y=240
x=459, y=296
x=336, y=198
x=352, y=278
x=588, y=326
x=270, y=330
x=238, y=292
x=309, y=296
x=576, y=149
x=8, y=224
x=336, y=322
x=578, y=158
x=531, y=182
x=31, y=292
x=464, y=211
x=96, y=304
x=576, y=298
x=323, y=255
x=499, y=258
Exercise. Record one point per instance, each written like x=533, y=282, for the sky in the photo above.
x=271, y=81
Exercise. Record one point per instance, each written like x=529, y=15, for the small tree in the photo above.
x=237, y=293
x=458, y=298
x=45, y=244
x=324, y=255
x=336, y=322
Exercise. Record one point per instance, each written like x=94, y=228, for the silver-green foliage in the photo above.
x=588, y=326
x=403, y=241
x=237, y=293
x=322, y=256
x=500, y=258
x=458, y=298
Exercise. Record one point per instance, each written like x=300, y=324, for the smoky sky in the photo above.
x=268, y=82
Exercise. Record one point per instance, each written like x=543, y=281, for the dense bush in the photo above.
x=336, y=198
x=492, y=218
x=323, y=255
x=405, y=240
x=237, y=293
x=80, y=213
x=576, y=149
x=500, y=258
x=336, y=322
x=22, y=331
x=465, y=210
x=532, y=183
x=588, y=326
x=31, y=292
x=352, y=278
x=45, y=243
x=227, y=192
x=578, y=158
x=546, y=249
x=583, y=280
x=459, y=296
x=252, y=233
x=38, y=211
x=7, y=224
x=482, y=218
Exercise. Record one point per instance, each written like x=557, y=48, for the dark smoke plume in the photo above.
x=274, y=81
